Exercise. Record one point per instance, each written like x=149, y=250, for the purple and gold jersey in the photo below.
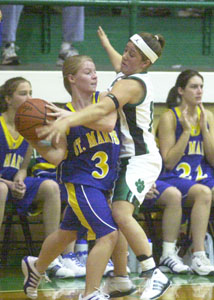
x=43, y=169
x=193, y=164
x=12, y=152
x=92, y=156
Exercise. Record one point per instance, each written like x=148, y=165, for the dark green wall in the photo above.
x=183, y=38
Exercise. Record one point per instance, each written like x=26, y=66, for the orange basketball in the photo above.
x=30, y=115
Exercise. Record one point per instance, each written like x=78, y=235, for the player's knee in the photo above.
x=3, y=192
x=111, y=237
x=114, y=236
x=173, y=197
x=206, y=194
x=50, y=187
x=119, y=217
x=202, y=193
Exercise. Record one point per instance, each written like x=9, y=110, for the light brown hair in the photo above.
x=71, y=66
x=8, y=88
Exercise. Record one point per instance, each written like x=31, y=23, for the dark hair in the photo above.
x=155, y=42
x=174, y=98
x=8, y=88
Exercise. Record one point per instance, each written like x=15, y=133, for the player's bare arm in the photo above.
x=54, y=152
x=125, y=91
x=171, y=150
x=114, y=56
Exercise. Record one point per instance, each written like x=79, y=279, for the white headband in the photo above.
x=139, y=42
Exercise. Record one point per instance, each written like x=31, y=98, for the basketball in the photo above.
x=30, y=115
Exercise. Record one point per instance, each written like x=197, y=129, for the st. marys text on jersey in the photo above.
x=94, y=138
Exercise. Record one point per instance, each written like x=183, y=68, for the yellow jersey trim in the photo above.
x=72, y=200
x=12, y=143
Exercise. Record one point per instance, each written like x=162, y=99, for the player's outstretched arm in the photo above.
x=107, y=123
x=114, y=56
x=87, y=115
x=123, y=92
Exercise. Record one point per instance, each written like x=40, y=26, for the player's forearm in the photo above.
x=20, y=175
x=7, y=182
x=115, y=58
x=90, y=114
x=53, y=154
x=107, y=123
x=177, y=151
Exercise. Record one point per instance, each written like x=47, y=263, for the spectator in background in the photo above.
x=72, y=31
x=155, y=11
x=10, y=20
x=191, y=12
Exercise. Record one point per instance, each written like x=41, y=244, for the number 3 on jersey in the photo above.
x=102, y=165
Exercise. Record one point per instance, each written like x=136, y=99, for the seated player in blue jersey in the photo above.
x=41, y=168
x=87, y=159
x=186, y=140
x=29, y=195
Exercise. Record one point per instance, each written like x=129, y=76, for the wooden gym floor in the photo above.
x=183, y=287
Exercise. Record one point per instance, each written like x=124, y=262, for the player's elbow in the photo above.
x=54, y=158
x=58, y=160
x=117, y=68
x=52, y=161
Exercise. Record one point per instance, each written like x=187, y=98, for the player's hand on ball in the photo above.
x=31, y=114
x=57, y=112
x=53, y=130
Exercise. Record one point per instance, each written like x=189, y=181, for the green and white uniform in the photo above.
x=140, y=159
